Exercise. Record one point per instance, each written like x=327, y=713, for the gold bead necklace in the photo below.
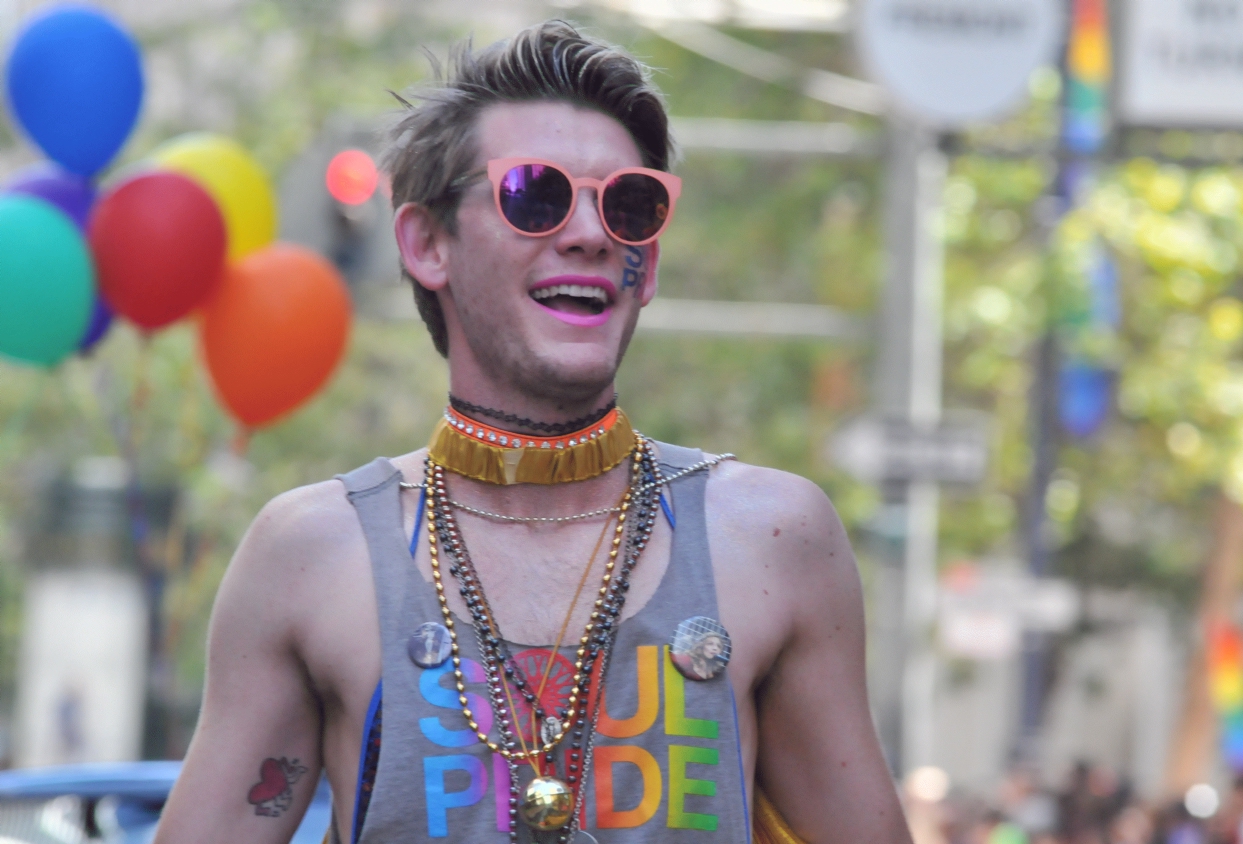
x=437, y=495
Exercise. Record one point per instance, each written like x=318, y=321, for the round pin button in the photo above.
x=429, y=645
x=700, y=648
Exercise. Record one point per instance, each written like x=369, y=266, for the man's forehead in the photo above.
x=578, y=137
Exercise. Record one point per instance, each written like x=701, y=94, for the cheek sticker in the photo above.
x=634, y=274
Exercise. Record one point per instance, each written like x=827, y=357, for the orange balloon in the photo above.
x=274, y=331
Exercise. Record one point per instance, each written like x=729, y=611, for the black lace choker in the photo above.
x=551, y=428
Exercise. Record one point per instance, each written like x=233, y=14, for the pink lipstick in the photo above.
x=589, y=289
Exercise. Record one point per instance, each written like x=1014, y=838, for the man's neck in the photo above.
x=524, y=415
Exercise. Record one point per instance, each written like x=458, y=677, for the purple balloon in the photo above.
x=101, y=320
x=69, y=192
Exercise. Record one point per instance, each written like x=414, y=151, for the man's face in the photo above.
x=564, y=348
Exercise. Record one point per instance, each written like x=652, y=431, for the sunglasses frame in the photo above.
x=498, y=167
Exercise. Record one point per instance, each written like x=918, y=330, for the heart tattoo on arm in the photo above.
x=273, y=794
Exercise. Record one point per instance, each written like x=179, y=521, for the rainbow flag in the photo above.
x=1088, y=74
x=1225, y=673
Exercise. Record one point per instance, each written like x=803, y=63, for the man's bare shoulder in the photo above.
x=307, y=539
x=778, y=510
x=302, y=545
x=306, y=523
x=776, y=531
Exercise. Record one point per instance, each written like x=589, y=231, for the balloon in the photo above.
x=75, y=85
x=274, y=331
x=97, y=326
x=234, y=179
x=69, y=192
x=159, y=244
x=47, y=282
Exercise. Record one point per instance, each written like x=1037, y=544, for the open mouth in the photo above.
x=575, y=299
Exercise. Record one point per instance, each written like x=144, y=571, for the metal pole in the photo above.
x=1044, y=427
x=909, y=388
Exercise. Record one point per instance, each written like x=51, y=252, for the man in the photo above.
x=530, y=189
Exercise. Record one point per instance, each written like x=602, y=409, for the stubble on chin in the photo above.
x=504, y=353
x=544, y=379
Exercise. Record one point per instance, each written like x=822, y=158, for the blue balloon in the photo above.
x=101, y=321
x=75, y=85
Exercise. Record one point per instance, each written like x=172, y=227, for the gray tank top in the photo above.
x=667, y=763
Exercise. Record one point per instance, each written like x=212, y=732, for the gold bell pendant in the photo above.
x=547, y=804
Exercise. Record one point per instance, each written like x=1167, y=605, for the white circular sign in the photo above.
x=951, y=62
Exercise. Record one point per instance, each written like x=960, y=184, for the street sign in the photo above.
x=982, y=610
x=954, y=62
x=1182, y=63
x=954, y=452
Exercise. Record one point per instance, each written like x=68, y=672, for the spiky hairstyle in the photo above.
x=434, y=144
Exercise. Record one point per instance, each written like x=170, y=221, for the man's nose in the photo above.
x=585, y=230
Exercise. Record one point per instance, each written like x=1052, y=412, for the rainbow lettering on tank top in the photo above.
x=457, y=781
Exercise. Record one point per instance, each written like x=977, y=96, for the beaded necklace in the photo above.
x=590, y=514
x=548, y=803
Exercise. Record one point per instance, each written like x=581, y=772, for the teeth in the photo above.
x=577, y=290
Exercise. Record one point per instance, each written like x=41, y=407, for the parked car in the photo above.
x=108, y=803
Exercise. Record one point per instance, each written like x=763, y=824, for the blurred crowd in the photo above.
x=1093, y=807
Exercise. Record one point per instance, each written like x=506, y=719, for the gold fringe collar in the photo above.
x=466, y=447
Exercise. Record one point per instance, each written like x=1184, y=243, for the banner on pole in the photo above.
x=1182, y=63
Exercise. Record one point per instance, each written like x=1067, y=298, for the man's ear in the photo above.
x=647, y=288
x=423, y=244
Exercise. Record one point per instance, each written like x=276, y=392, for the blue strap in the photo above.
x=746, y=812
x=376, y=697
x=418, y=520
x=664, y=505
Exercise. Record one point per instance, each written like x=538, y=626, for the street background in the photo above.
x=1006, y=340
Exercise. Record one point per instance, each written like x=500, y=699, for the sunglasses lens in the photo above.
x=535, y=198
x=636, y=207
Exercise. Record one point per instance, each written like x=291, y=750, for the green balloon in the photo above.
x=47, y=281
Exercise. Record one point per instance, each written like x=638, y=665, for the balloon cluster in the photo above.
x=189, y=231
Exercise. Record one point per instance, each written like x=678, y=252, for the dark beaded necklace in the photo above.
x=514, y=421
x=582, y=737
x=463, y=570
x=597, y=641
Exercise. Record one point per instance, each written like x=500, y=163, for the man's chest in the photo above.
x=541, y=587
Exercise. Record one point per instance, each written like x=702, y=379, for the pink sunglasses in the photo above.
x=537, y=197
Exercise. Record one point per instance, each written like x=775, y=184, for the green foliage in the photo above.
x=1127, y=507
x=1177, y=235
x=994, y=313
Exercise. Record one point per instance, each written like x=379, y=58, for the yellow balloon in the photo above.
x=234, y=179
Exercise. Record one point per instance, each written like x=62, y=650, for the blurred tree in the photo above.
x=1128, y=507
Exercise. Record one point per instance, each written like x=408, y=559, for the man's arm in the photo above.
x=254, y=763
x=818, y=759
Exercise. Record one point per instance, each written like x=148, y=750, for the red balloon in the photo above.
x=159, y=243
x=274, y=331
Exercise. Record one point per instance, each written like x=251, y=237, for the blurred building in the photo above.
x=87, y=632
x=1111, y=701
